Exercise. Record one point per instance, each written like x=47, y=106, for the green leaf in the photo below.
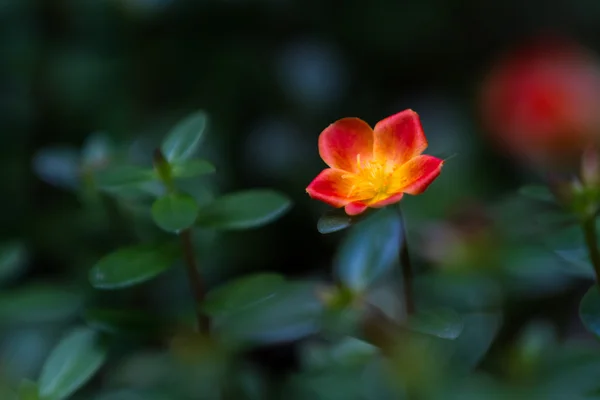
x=175, y=212
x=530, y=349
x=130, y=394
x=119, y=176
x=569, y=244
x=242, y=292
x=369, y=251
x=133, y=265
x=568, y=371
x=244, y=210
x=336, y=220
x=192, y=168
x=37, y=303
x=538, y=192
x=477, y=336
x=75, y=359
x=129, y=322
x=58, y=166
x=346, y=352
x=338, y=324
x=284, y=314
x=28, y=390
x=578, y=262
x=7, y=392
x=589, y=310
x=351, y=351
x=464, y=293
x=13, y=257
x=96, y=150
x=184, y=139
x=444, y=323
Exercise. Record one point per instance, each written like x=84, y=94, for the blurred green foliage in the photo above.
x=91, y=307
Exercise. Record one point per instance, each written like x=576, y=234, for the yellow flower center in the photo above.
x=371, y=180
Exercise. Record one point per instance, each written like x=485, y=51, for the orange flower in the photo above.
x=373, y=167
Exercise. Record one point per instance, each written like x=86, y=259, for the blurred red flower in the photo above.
x=542, y=100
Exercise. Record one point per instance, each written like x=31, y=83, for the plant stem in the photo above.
x=379, y=330
x=407, y=273
x=591, y=241
x=163, y=168
x=194, y=278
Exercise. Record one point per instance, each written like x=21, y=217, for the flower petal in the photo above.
x=399, y=138
x=355, y=208
x=414, y=176
x=330, y=187
x=341, y=142
x=394, y=198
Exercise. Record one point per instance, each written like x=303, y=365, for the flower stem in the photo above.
x=196, y=284
x=407, y=272
x=591, y=241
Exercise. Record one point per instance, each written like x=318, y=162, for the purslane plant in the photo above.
x=342, y=325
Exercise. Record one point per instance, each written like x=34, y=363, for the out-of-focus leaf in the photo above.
x=242, y=292
x=444, y=323
x=569, y=371
x=578, y=262
x=129, y=394
x=351, y=351
x=75, y=359
x=133, y=265
x=148, y=369
x=128, y=322
x=531, y=271
x=244, y=210
x=418, y=360
x=200, y=365
x=537, y=192
x=58, y=166
x=314, y=356
x=589, y=310
x=464, y=293
x=249, y=383
x=7, y=392
x=28, y=390
x=175, y=212
x=192, y=168
x=184, y=139
x=96, y=150
x=37, y=303
x=348, y=351
x=568, y=243
x=480, y=386
x=289, y=313
x=479, y=331
x=369, y=251
x=340, y=322
x=375, y=382
x=24, y=348
x=335, y=220
x=538, y=338
x=122, y=176
x=567, y=238
x=13, y=257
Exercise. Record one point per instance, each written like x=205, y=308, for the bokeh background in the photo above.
x=271, y=74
